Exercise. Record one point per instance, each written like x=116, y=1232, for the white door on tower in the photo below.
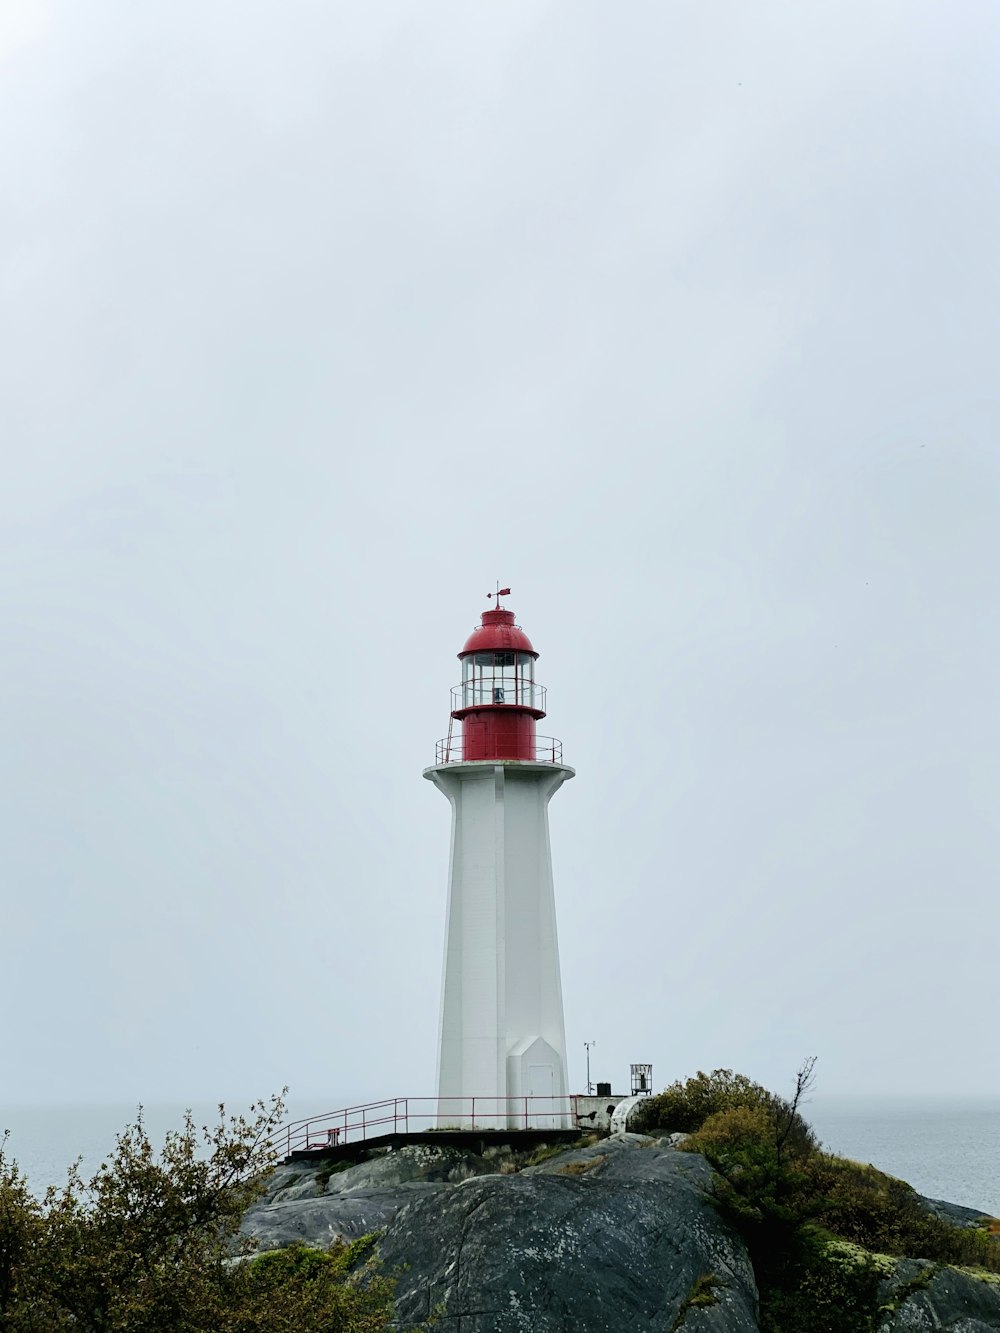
x=542, y=1107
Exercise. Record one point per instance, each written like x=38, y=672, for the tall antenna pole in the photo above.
x=590, y=1086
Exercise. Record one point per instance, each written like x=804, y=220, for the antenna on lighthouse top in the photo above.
x=500, y=592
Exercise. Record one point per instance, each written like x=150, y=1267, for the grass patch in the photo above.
x=884, y=1263
x=581, y=1167
x=547, y=1150
x=349, y=1255
x=700, y=1297
x=510, y=1159
x=544, y=1151
x=980, y=1274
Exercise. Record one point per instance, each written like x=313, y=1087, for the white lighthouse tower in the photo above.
x=503, y=1038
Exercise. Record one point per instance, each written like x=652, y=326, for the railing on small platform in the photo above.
x=547, y=750
x=422, y=1115
x=493, y=690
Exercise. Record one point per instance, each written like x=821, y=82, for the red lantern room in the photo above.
x=498, y=701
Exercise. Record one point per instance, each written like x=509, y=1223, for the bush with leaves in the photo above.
x=684, y=1107
x=770, y=1193
x=880, y=1213
x=19, y=1230
x=811, y=1286
x=152, y=1243
x=762, y=1189
x=789, y=1201
x=305, y=1288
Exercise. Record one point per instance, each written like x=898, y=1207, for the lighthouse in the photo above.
x=502, y=1036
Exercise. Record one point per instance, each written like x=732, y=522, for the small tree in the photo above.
x=20, y=1225
x=151, y=1243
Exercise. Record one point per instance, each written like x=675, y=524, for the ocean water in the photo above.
x=946, y=1148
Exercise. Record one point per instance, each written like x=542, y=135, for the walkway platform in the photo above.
x=455, y=1121
x=475, y=1140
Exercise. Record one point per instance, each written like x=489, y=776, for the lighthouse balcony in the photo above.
x=511, y=692
x=545, y=750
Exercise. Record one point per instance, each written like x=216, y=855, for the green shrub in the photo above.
x=811, y=1286
x=794, y=1205
x=306, y=1288
x=733, y=1130
x=763, y=1192
x=684, y=1107
x=884, y=1214
x=768, y=1196
x=148, y=1244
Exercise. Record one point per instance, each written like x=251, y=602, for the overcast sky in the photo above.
x=315, y=320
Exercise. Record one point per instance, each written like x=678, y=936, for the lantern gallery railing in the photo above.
x=421, y=1115
x=485, y=691
x=548, y=750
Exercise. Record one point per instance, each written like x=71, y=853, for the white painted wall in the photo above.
x=596, y=1112
x=502, y=1028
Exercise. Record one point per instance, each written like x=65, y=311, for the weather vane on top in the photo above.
x=500, y=592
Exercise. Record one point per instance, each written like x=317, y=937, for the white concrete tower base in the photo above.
x=502, y=1030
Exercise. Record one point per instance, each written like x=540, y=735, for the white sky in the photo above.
x=316, y=319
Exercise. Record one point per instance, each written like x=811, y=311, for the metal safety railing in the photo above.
x=498, y=691
x=421, y=1115
x=547, y=750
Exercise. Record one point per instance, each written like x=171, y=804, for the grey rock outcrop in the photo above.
x=307, y=1204
x=924, y=1296
x=606, y=1239
x=617, y=1237
x=955, y=1213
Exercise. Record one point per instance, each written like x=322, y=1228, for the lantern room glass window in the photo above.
x=498, y=678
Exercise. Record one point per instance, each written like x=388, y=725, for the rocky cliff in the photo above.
x=617, y=1236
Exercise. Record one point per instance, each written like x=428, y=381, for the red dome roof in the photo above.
x=498, y=633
